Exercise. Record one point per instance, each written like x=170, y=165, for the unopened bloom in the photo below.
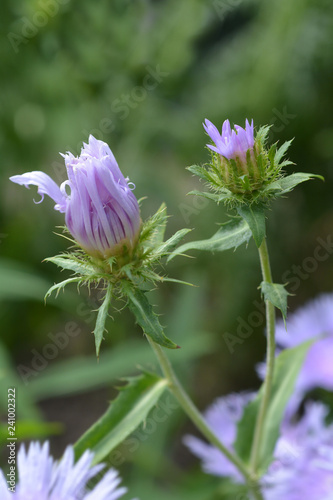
x=302, y=468
x=101, y=212
x=231, y=144
x=312, y=321
x=240, y=162
x=40, y=477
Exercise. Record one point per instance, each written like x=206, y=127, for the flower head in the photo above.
x=41, y=478
x=302, y=468
x=236, y=156
x=101, y=212
x=231, y=144
x=303, y=465
x=242, y=170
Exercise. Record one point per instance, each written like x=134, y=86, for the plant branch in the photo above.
x=270, y=361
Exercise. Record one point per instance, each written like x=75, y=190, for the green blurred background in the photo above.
x=142, y=76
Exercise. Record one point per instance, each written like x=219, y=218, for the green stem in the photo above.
x=270, y=359
x=196, y=417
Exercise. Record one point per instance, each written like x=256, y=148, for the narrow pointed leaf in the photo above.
x=288, y=183
x=210, y=196
x=174, y=280
x=272, y=154
x=288, y=365
x=71, y=265
x=159, y=231
x=200, y=172
x=282, y=150
x=101, y=319
x=255, y=217
x=172, y=242
x=124, y=415
x=153, y=229
x=277, y=295
x=230, y=235
x=145, y=316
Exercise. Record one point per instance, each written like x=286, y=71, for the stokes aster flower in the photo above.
x=101, y=212
x=302, y=468
x=42, y=478
x=303, y=465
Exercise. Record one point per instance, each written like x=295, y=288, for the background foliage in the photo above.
x=142, y=76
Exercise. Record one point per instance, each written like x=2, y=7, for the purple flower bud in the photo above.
x=101, y=211
x=237, y=156
x=231, y=144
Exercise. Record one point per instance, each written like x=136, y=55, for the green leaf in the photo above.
x=153, y=229
x=200, y=172
x=282, y=150
x=272, y=155
x=262, y=134
x=159, y=230
x=288, y=183
x=101, y=319
x=210, y=196
x=255, y=217
x=172, y=242
x=230, y=235
x=288, y=365
x=124, y=415
x=145, y=317
x=71, y=264
x=277, y=295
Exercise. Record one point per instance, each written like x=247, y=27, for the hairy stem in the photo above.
x=270, y=359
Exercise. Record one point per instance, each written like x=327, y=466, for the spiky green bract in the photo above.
x=256, y=180
x=131, y=271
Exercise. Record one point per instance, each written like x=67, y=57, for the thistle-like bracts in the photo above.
x=243, y=170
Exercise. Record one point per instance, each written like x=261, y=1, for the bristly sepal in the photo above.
x=125, y=275
x=243, y=169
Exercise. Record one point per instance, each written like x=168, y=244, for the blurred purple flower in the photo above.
x=302, y=468
x=101, y=212
x=222, y=416
x=231, y=143
x=315, y=319
x=41, y=478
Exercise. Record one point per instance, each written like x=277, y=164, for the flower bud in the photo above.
x=101, y=212
x=240, y=159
